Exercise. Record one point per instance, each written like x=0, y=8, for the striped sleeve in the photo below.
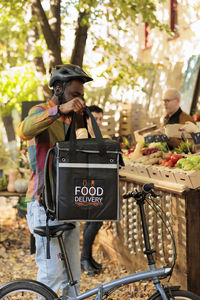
x=39, y=118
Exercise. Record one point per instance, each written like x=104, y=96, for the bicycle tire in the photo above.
x=176, y=295
x=25, y=290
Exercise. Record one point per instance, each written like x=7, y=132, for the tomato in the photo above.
x=169, y=156
x=163, y=162
x=169, y=163
x=174, y=158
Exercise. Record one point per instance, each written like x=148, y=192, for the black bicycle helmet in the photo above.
x=68, y=72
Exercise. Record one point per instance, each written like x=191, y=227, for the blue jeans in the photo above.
x=51, y=271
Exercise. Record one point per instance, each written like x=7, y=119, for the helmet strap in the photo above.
x=61, y=93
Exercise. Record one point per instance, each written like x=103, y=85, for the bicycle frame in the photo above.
x=153, y=273
x=140, y=276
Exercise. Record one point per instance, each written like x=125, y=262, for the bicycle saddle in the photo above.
x=54, y=230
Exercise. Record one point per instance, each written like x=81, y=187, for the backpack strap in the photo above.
x=48, y=199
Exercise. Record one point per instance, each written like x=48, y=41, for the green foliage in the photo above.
x=13, y=32
x=124, y=70
x=17, y=84
x=131, y=9
x=119, y=11
x=22, y=204
x=3, y=183
x=119, y=65
x=15, y=26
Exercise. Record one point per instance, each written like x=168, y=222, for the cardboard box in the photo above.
x=190, y=179
x=145, y=131
x=155, y=172
x=168, y=174
x=173, y=130
x=130, y=168
x=134, y=169
x=143, y=170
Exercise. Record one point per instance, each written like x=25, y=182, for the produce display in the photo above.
x=189, y=163
x=171, y=160
x=156, y=161
x=152, y=158
x=149, y=151
x=184, y=147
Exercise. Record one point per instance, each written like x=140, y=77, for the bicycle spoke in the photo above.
x=23, y=295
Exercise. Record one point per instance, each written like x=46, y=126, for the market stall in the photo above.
x=176, y=177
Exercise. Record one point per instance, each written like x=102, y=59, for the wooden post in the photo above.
x=192, y=200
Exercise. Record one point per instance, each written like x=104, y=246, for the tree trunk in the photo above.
x=80, y=41
x=38, y=60
x=51, y=34
x=55, y=20
x=9, y=127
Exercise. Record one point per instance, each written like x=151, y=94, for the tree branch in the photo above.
x=55, y=20
x=80, y=41
x=51, y=39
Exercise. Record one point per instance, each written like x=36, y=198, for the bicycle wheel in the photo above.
x=26, y=290
x=176, y=295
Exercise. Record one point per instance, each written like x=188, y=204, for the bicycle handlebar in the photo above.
x=146, y=189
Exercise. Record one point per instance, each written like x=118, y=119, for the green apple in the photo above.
x=194, y=159
x=188, y=166
x=197, y=167
x=181, y=161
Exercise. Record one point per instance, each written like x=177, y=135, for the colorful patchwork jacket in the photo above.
x=42, y=128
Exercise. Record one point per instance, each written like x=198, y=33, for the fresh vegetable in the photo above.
x=171, y=160
x=189, y=163
x=162, y=146
x=151, y=159
x=184, y=147
x=193, y=159
x=137, y=152
x=132, y=149
x=149, y=151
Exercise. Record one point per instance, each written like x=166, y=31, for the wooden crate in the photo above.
x=125, y=126
x=109, y=125
x=133, y=169
x=168, y=174
x=143, y=170
x=138, y=116
x=155, y=172
x=190, y=179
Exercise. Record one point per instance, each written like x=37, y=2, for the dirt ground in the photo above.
x=16, y=261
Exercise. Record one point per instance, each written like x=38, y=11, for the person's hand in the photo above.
x=77, y=105
x=190, y=127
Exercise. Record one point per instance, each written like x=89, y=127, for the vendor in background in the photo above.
x=174, y=114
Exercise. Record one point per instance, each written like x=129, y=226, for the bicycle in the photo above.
x=31, y=289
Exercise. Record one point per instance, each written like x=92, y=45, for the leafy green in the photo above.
x=161, y=146
x=184, y=147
